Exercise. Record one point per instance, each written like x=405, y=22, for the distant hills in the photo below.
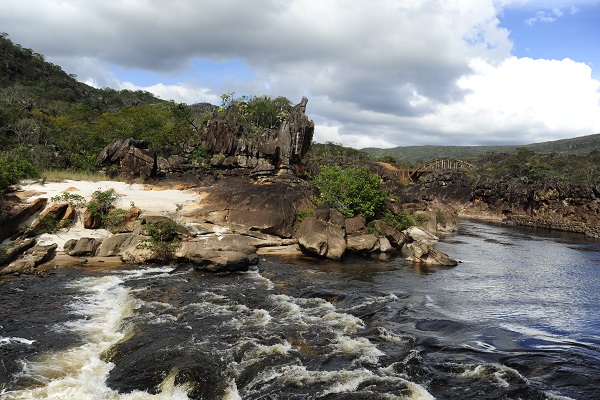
x=582, y=145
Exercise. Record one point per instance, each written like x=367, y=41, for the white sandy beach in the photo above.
x=164, y=202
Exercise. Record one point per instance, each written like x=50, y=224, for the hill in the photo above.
x=49, y=120
x=414, y=154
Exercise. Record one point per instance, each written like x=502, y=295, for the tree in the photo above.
x=351, y=191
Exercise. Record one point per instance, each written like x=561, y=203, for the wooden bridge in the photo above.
x=441, y=164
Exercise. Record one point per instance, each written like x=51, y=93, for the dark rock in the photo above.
x=139, y=162
x=323, y=233
x=355, y=224
x=15, y=249
x=133, y=157
x=113, y=245
x=421, y=252
x=83, y=247
x=91, y=220
x=114, y=152
x=128, y=221
x=63, y=215
x=211, y=255
x=30, y=259
x=14, y=212
x=363, y=244
x=246, y=206
x=221, y=261
x=274, y=151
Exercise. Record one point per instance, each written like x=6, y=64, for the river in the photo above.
x=516, y=319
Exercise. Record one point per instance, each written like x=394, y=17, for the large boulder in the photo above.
x=219, y=253
x=83, y=247
x=91, y=220
x=113, y=245
x=15, y=249
x=245, y=206
x=323, y=233
x=30, y=259
x=140, y=163
x=363, y=244
x=14, y=212
x=133, y=157
x=114, y=152
x=54, y=216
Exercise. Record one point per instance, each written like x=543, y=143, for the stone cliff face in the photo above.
x=274, y=151
x=551, y=204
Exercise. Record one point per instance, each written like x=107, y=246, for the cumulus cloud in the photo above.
x=382, y=73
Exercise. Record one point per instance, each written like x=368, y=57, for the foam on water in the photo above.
x=80, y=372
x=4, y=341
x=336, y=382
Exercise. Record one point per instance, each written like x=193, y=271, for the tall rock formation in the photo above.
x=270, y=152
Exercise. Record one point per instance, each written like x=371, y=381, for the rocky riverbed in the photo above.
x=224, y=226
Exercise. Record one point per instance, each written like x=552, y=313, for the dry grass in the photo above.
x=60, y=175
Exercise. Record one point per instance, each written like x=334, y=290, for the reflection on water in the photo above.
x=515, y=319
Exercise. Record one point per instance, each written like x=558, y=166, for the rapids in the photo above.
x=516, y=319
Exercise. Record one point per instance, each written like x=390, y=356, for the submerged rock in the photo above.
x=422, y=252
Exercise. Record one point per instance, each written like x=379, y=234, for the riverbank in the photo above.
x=224, y=226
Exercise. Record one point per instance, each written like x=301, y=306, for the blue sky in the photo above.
x=572, y=32
x=383, y=73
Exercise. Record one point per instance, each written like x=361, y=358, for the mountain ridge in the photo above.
x=581, y=145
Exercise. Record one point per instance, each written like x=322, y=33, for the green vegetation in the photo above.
x=74, y=200
x=114, y=220
x=164, y=239
x=580, y=146
x=399, y=222
x=533, y=167
x=351, y=191
x=50, y=121
x=13, y=168
x=102, y=202
x=255, y=114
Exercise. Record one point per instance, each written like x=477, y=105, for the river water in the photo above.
x=518, y=318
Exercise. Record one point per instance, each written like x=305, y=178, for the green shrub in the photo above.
x=3, y=256
x=46, y=224
x=102, y=202
x=75, y=200
x=13, y=168
x=351, y=191
x=114, y=220
x=301, y=215
x=399, y=222
x=164, y=239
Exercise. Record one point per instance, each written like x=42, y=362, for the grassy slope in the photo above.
x=580, y=146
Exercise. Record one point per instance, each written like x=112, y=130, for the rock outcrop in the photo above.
x=426, y=253
x=29, y=260
x=244, y=206
x=273, y=151
x=552, y=205
x=14, y=212
x=132, y=156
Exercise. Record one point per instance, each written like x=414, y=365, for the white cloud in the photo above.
x=547, y=99
x=543, y=16
x=180, y=93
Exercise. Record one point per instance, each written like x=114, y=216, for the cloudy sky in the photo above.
x=379, y=73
